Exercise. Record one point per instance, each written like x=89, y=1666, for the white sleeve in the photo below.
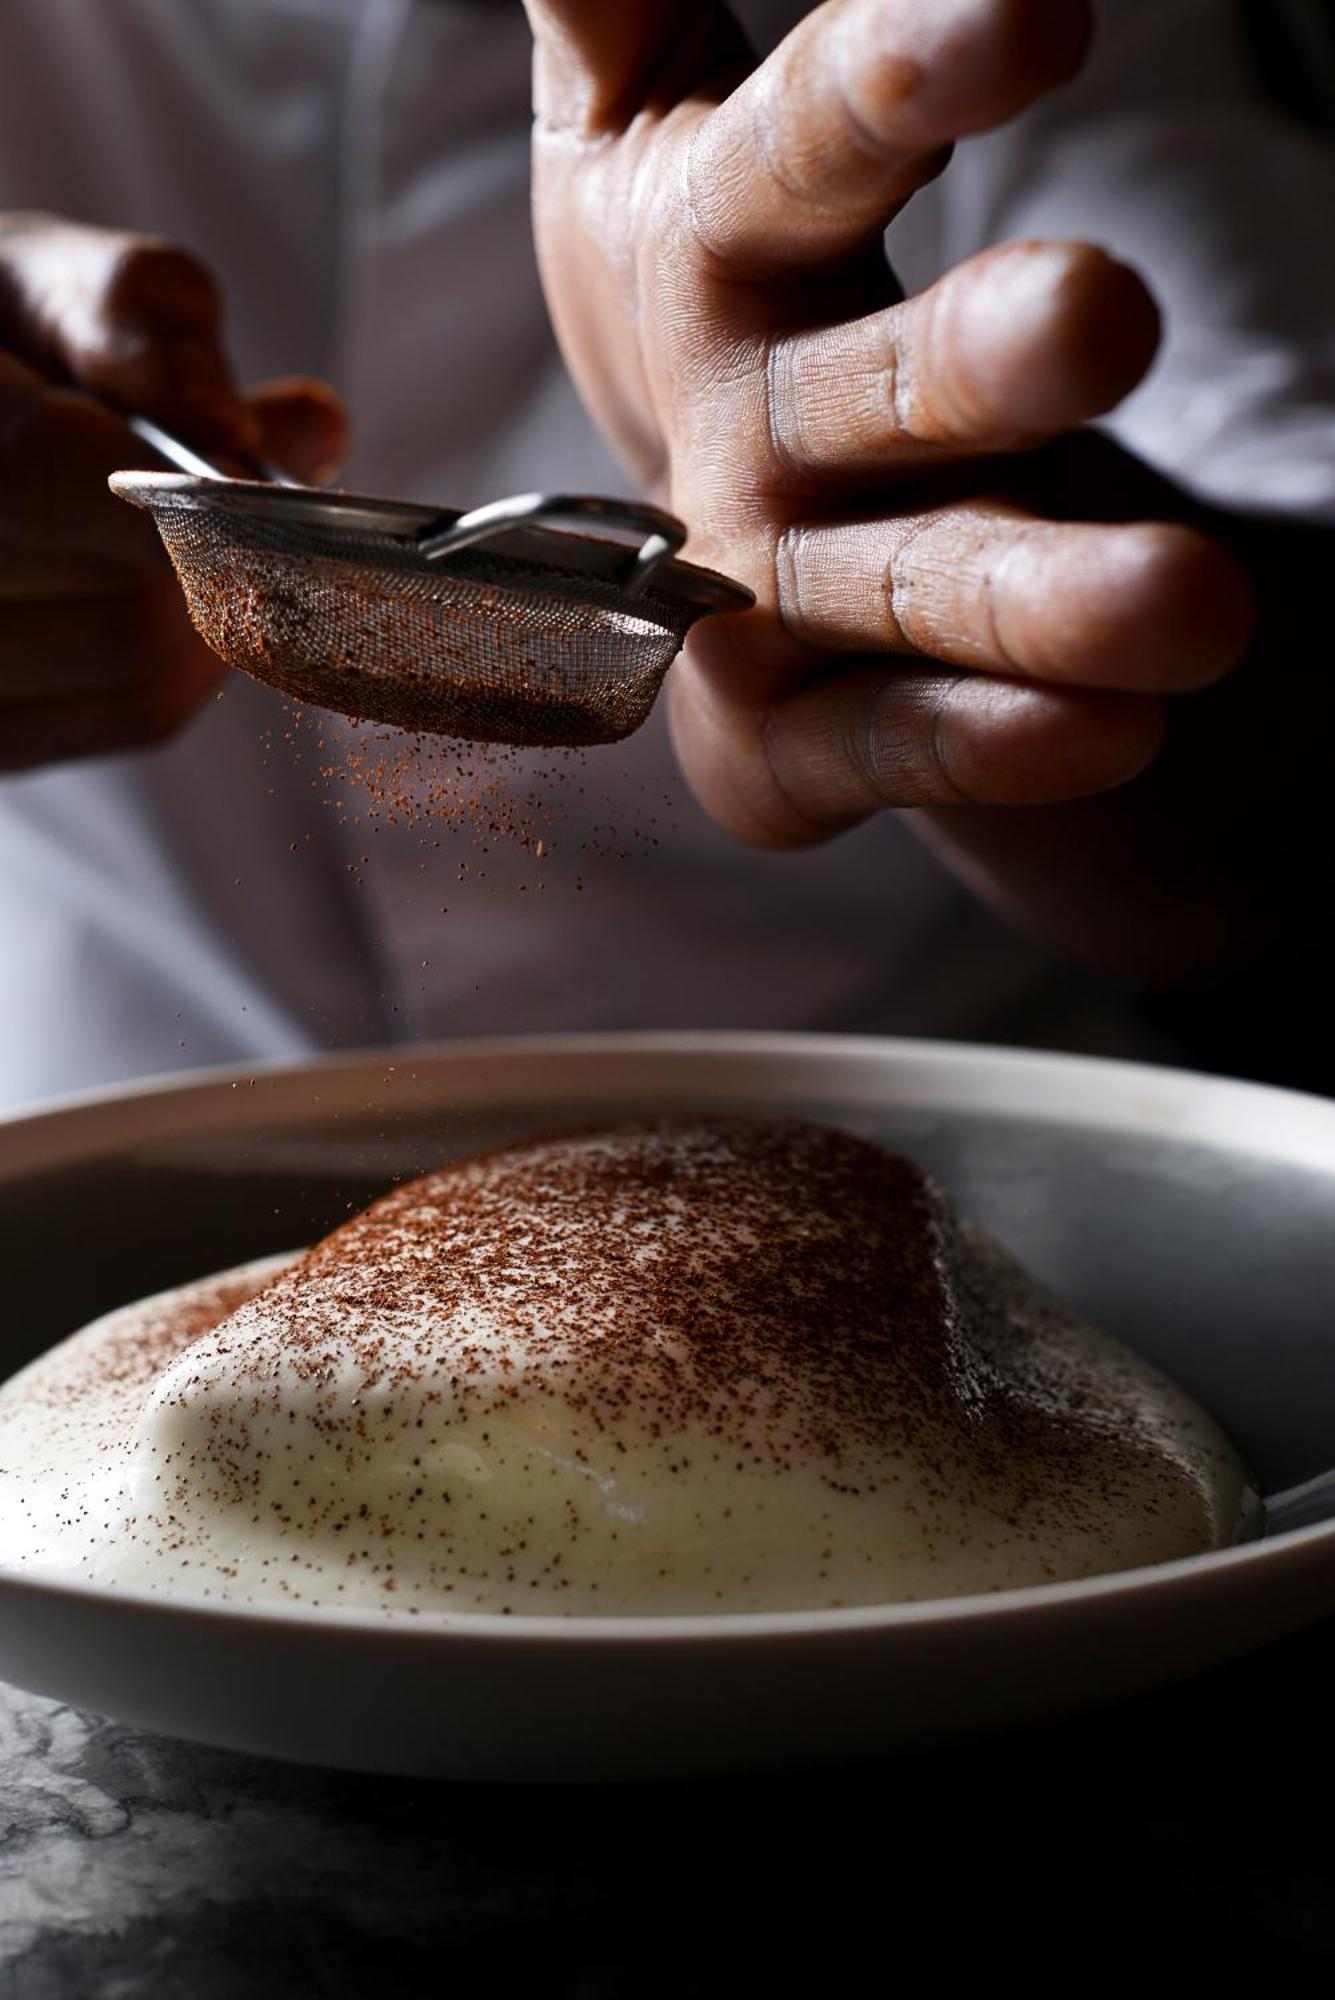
x=1167, y=151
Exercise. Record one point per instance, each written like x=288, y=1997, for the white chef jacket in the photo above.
x=356, y=173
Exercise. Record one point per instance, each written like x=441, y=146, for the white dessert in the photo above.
x=709, y=1366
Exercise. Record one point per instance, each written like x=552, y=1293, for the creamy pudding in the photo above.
x=676, y=1366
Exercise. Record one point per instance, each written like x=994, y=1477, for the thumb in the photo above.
x=595, y=65
x=130, y=319
x=302, y=427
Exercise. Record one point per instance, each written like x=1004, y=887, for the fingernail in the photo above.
x=945, y=68
x=1000, y=314
x=1020, y=285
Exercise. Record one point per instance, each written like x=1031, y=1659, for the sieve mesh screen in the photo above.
x=487, y=649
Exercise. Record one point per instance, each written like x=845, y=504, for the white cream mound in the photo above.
x=678, y=1366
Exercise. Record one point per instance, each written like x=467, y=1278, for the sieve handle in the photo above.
x=178, y=453
x=661, y=534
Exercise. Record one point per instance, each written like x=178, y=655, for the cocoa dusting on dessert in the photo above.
x=670, y=1364
x=792, y=1288
x=140, y=1341
x=796, y=1293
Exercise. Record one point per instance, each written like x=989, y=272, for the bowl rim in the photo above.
x=1262, y=1120
x=434, y=1628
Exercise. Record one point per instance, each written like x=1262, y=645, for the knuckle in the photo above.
x=863, y=744
x=151, y=279
x=873, y=86
x=791, y=545
x=777, y=817
x=884, y=745
x=911, y=582
x=824, y=407
x=899, y=743
x=705, y=190
x=783, y=413
x=891, y=375
x=837, y=399
x=129, y=360
x=939, y=740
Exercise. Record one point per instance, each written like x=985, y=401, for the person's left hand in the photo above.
x=943, y=618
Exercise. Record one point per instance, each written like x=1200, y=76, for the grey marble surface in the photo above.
x=1185, y=1836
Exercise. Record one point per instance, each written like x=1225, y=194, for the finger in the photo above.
x=1012, y=347
x=130, y=319
x=595, y=64
x=57, y=448
x=825, y=755
x=822, y=144
x=100, y=725
x=90, y=644
x=303, y=427
x=1151, y=608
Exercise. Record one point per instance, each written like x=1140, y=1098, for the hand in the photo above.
x=933, y=627
x=97, y=652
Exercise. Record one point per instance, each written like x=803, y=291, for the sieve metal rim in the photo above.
x=356, y=527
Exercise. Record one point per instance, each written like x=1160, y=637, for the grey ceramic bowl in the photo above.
x=1192, y=1216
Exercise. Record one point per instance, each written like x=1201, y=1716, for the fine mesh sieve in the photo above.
x=499, y=626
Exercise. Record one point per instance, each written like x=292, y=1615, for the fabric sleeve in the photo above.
x=1170, y=153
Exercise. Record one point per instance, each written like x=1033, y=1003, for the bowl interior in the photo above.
x=1215, y=1261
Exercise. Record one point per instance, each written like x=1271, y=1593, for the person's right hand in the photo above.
x=97, y=652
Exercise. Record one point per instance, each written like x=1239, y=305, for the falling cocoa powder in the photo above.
x=483, y=795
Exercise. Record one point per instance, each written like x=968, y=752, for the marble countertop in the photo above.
x=1187, y=1835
